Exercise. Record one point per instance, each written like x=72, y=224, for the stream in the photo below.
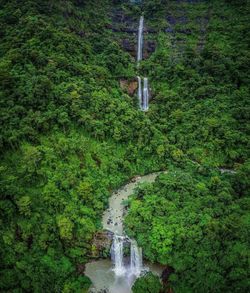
x=118, y=274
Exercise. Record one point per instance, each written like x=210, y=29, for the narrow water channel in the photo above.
x=118, y=275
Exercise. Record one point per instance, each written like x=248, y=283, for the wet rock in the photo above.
x=109, y=222
x=102, y=241
x=103, y=291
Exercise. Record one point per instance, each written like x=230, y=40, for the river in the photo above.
x=118, y=275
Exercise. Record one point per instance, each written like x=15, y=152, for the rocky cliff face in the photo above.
x=101, y=244
x=129, y=86
x=125, y=28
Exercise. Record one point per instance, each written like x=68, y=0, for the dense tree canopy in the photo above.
x=196, y=222
x=70, y=134
x=148, y=283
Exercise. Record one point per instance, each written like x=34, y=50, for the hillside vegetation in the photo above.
x=70, y=135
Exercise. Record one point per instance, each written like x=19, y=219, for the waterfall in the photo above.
x=117, y=255
x=136, y=266
x=140, y=40
x=135, y=259
x=139, y=92
x=145, y=94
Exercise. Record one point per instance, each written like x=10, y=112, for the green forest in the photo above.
x=71, y=133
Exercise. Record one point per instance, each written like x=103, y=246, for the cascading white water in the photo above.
x=117, y=255
x=140, y=98
x=140, y=40
x=145, y=94
x=135, y=259
x=119, y=275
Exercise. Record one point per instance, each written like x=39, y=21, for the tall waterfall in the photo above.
x=143, y=96
x=117, y=255
x=117, y=250
x=140, y=40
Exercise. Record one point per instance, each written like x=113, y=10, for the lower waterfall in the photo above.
x=143, y=96
x=117, y=255
x=136, y=264
x=118, y=274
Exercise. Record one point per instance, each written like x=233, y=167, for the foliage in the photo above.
x=70, y=135
x=196, y=222
x=149, y=283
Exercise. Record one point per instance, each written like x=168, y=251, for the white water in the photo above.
x=117, y=255
x=136, y=264
x=145, y=94
x=119, y=276
x=140, y=98
x=140, y=40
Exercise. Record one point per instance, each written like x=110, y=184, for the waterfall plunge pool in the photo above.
x=118, y=275
x=103, y=276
